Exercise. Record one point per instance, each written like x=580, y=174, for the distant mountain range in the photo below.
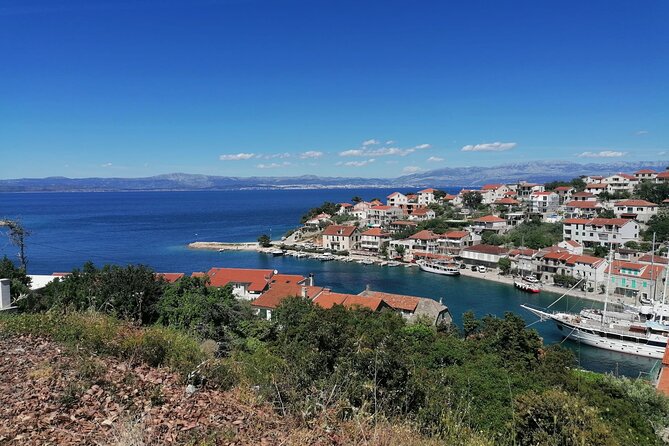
x=537, y=171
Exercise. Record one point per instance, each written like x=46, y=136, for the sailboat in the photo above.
x=627, y=331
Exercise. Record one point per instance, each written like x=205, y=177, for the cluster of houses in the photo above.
x=375, y=228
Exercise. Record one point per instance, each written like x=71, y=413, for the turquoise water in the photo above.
x=154, y=228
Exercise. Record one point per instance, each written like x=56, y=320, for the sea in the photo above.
x=154, y=228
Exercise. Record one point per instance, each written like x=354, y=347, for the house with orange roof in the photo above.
x=246, y=283
x=543, y=202
x=382, y=215
x=328, y=299
x=638, y=280
x=341, y=237
x=493, y=192
x=596, y=188
x=662, y=177
x=401, y=225
x=507, y=203
x=170, y=277
x=453, y=242
x=397, y=199
x=645, y=175
x=317, y=220
x=524, y=189
x=565, y=193
x=281, y=287
x=621, y=182
x=485, y=255
x=426, y=196
x=372, y=240
x=608, y=232
x=639, y=210
x=571, y=246
x=582, y=209
x=489, y=223
x=523, y=261
x=413, y=308
x=344, y=208
x=425, y=241
x=591, y=270
x=583, y=196
x=593, y=179
x=422, y=213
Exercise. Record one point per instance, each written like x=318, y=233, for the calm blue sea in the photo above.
x=153, y=228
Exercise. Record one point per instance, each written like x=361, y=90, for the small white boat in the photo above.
x=393, y=263
x=277, y=252
x=443, y=268
x=529, y=287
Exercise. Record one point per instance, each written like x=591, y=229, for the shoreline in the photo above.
x=491, y=275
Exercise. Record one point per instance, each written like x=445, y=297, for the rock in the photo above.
x=191, y=389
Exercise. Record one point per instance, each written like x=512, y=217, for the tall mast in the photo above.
x=608, y=285
x=652, y=268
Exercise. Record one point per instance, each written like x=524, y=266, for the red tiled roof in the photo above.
x=286, y=278
x=664, y=174
x=572, y=259
x=627, y=176
x=510, y=193
x=170, y=277
x=328, y=299
x=346, y=205
x=641, y=171
x=647, y=258
x=342, y=230
x=421, y=211
x=582, y=204
x=424, y=235
x=396, y=301
x=376, y=232
x=563, y=188
x=573, y=243
x=486, y=249
x=583, y=194
x=393, y=194
x=280, y=291
x=596, y=186
x=577, y=221
x=647, y=272
x=523, y=251
x=198, y=274
x=507, y=201
x=491, y=186
x=609, y=221
x=429, y=255
x=636, y=203
x=381, y=207
x=449, y=197
x=427, y=191
x=404, y=223
x=456, y=234
x=257, y=279
x=489, y=219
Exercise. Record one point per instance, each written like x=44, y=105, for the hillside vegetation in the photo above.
x=329, y=370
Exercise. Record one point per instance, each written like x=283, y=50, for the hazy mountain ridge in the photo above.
x=538, y=171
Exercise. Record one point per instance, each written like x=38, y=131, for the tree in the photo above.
x=504, y=265
x=653, y=192
x=556, y=418
x=606, y=213
x=472, y=200
x=400, y=250
x=492, y=238
x=264, y=241
x=600, y=251
x=658, y=224
x=578, y=184
x=17, y=235
x=19, y=281
x=356, y=199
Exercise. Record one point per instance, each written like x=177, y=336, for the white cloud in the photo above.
x=389, y=142
x=311, y=154
x=602, y=154
x=370, y=142
x=641, y=132
x=422, y=146
x=356, y=163
x=411, y=169
x=273, y=165
x=381, y=151
x=276, y=155
x=237, y=156
x=106, y=165
x=435, y=159
x=489, y=147
x=662, y=153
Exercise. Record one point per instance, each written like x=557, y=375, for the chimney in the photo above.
x=305, y=293
x=311, y=279
x=5, y=301
x=368, y=288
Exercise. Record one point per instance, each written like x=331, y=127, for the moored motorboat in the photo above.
x=445, y=269
x=529, y=287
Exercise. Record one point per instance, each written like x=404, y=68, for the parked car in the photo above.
x=482, y=269
x=474, y=268
x=463, y=266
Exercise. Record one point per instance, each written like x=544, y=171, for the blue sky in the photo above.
x=352, y=88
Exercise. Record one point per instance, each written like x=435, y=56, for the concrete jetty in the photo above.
x=225, y=246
